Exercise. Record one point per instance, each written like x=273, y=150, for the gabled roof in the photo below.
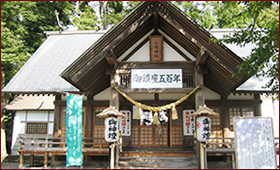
x=79, y=56
x=88, y=72
x=40, y=74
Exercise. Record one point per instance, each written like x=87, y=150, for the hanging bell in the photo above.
x=174, y=115
x=156, y=121
x=137, y=114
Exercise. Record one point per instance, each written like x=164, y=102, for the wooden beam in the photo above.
x=110, y=70
x=111, y=58
x=114, y=95
x=187, y=66
x=155, y=15
x=117, y=39
x=153, y=90
x=194, y=35
x=201, y=58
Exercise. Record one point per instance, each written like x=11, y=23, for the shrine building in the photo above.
x=156, y=55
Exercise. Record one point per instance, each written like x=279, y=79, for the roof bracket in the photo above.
x=201, y=58
x=111, y=58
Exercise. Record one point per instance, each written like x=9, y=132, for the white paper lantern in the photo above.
x=111, y=129
x=203, y=128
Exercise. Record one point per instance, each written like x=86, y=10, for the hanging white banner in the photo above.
x=124, y=125
x=156, y=78
x=188, y=122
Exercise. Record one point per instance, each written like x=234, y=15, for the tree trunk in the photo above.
x=3, y=101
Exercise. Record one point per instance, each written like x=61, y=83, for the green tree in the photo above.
x=86, y=18
x=264, y=33
x=130, y=6
x=110, y=13
x=200, y=12
x=191, y=9
x=230, y=14
x=22, y=31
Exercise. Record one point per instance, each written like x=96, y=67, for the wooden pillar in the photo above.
x=199, y=96
x=114, y=102
x=31, y=160
x=258, y=110
x=89, y=116
x=225, y=115
x=20, y=160
x=57, y=117
x=46, y=160
x=199, y=102
x=114, y=97
x=57, y=112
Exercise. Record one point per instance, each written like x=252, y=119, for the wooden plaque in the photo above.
x=156, y=48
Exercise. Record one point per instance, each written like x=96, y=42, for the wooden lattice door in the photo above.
x=149, y=136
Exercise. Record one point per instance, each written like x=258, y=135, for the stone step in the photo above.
x=189, y=162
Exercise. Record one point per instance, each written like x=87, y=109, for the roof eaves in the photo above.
x=65, y=74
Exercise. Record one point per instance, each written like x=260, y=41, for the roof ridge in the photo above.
x=75, y=32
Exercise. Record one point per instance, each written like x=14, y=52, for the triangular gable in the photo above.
x=88, y=72
x=143, y=54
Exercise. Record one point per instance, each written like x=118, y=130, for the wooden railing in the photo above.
x=54, y=146
x=225, y=146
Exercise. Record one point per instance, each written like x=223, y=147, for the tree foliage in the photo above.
x=255, y=22
x=85, y=18
x=264, y=33
x=22, y=31
x=101, y=14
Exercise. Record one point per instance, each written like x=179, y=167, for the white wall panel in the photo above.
x=17, y=129
x=169, y=54
x=21, y=115
x=270, y=108
x=37, y=116
x=210, y=95
x=51, y=116
x=171, y=96
x=142, y=54
x=142, y=96
x=241, y=96
x=50, y=128
x=104, y=95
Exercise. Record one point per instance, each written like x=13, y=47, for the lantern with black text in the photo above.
x=203, y=128
x=111, y=129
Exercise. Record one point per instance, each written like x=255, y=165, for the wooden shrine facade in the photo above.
x=101, y=60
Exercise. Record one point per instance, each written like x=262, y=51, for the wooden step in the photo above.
x=157, y=152
x=189, y=162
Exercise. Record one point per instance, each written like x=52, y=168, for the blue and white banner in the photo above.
x=74, y=131
x=156, y=78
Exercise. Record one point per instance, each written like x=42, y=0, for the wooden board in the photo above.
x=254, y=143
